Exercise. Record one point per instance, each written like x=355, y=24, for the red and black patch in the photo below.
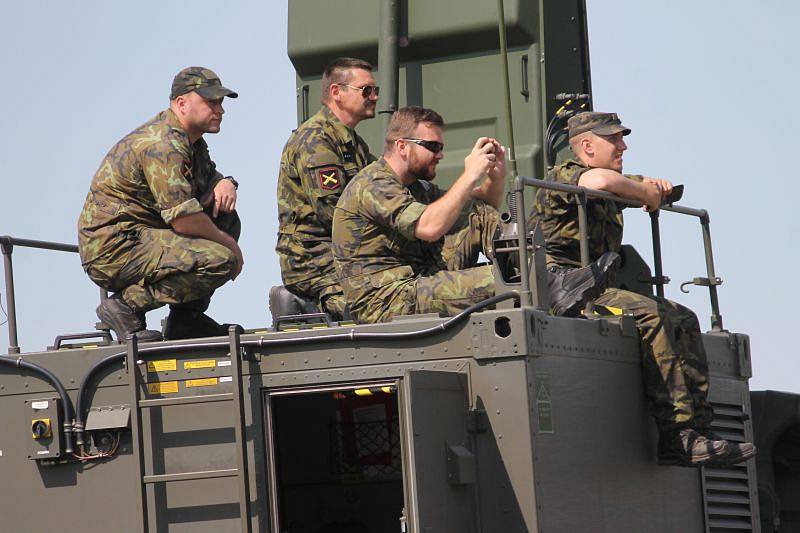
x=330, y=178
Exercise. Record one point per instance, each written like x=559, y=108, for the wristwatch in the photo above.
x=235, y=183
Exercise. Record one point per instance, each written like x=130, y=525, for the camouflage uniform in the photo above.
x=147, y=180
x=385, y=270
x=674, y=359
x=319, y=159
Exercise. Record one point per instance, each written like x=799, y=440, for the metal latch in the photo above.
x=701, y=282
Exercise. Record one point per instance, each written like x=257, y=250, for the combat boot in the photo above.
x=687, y=447
x=186, y=324
x=572, y=288
x=738, y=452
x=124, y=320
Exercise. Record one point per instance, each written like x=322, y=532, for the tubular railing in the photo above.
x=7, y=243
x=582, y=194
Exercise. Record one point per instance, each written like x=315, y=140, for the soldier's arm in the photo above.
x=322, y=175
x=166, y=169
x=611, y=181
x=439, y=217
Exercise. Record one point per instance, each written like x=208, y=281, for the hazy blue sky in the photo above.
x=707, y=87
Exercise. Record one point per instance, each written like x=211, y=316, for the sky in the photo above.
x=707, y=88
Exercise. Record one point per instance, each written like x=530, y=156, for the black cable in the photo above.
x=262, y=343
x=3, y=309
x=46, y=375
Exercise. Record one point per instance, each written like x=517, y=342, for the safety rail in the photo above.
x=7, y=243
x=659, y=280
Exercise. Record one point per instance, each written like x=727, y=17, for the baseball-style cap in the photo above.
x=200, y=80
x=599, y=123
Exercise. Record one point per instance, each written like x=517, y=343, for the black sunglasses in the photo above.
x=433, y=146
x=366, y=90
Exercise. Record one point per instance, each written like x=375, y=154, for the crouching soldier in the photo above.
x=159, y=224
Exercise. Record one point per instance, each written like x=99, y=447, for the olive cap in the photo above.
x=200, y=80
x=599, y=123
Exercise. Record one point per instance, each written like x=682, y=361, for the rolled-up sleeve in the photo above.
x=389, y=204
x=167, y=170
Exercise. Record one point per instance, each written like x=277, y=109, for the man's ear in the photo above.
x=586, y=146
x=335, y=91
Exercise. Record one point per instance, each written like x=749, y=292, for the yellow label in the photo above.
x=162, y=366
x=205, y=363
x=162, y=387
x=207, y=382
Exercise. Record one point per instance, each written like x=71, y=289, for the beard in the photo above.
x=421, y=171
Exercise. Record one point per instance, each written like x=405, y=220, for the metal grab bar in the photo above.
x=7, y=243
x=582, y=193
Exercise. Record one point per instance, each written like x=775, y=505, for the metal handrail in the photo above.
x=581, y=195
x=7, y=243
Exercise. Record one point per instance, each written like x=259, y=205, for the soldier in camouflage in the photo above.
x=674, y=363
x=401, y=244
x=159, y=224
x=319, y=159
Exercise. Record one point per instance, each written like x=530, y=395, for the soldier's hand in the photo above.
x=664, y=186
x=222, y=197
x=481, y=159
x=498, y=171
x=652, y=195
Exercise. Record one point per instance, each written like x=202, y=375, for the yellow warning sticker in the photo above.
x=207, y=382
x=205, y=363
x=162, y=387
x=162, y=366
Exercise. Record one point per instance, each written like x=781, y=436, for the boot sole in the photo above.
x=589, y=290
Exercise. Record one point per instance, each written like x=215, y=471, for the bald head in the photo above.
x=599, y=151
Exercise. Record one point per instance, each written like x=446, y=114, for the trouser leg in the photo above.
x=473, y=233
x=449, y=292
x=167, y=268
x=690, y=345
x=675, y=377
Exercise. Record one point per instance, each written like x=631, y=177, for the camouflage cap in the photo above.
x=599, y=123
x=200, y=80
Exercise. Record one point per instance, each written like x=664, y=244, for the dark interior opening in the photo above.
x=337, y=461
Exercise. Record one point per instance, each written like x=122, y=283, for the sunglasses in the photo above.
x=366, y=90
x=433, y=146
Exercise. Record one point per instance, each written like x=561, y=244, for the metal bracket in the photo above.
x=701, y=282
x=460, y=465
x=654, y=280
x=477, y=421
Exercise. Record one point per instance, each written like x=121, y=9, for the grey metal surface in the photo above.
x=434, y=416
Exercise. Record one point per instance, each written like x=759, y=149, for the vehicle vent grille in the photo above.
x=726, y=489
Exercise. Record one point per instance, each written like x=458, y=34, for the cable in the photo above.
x=263, y=343
x=3, y=310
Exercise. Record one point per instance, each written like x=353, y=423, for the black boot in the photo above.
x=572, y=288
x=186, y=324
x=124, y=320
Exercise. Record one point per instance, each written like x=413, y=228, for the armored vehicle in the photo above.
x=503, y=418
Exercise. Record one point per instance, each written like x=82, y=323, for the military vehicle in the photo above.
x=500, y=419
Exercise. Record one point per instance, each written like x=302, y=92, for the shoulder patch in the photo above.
x=186, y=169
x=330, y=178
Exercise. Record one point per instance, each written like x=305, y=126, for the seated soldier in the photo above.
x=159, y=224
x=674, y=358
x=403, y=246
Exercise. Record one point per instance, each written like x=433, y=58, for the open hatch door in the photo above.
x=440, y=468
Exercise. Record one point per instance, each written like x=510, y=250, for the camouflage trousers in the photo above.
x=311, y=279
x=164, y=267
x=449, y=290
x=674, y=366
